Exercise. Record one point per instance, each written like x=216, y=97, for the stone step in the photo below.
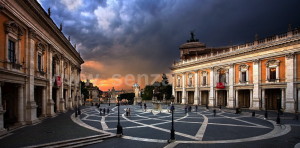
x=74, y=142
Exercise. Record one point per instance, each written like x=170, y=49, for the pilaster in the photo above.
x=231, y=90
x=256, y=89
x=31, y=104
x=289, y=74
x=196, y=94
x=212, y=91
x=184, y=88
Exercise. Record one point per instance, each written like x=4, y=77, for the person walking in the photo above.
x=107, y=110
x=196, y=108
x=126, y=112
x=214, y=112
x=185, y=109
x=145, y=106
x=100, y=109
x=104, y=111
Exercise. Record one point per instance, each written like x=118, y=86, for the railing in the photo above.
x=240, y=47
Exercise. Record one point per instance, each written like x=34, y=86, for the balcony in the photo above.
x=220, y=85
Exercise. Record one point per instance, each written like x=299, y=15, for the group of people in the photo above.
x=127, y=112
x=189, y=108
x=103, y=111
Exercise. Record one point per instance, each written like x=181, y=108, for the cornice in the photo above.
x=38, y=13
x=278, y=44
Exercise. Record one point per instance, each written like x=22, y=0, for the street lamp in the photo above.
x=278, y=111
x=119, y=127
x=172, y=128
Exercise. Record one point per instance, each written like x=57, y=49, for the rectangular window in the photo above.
x=243, y=80
x=11, y=51
x=272, y=74
x=39, y=62
x=204, y=80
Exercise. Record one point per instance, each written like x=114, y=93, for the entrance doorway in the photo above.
x=204, y=97
x=190, y=97
x=54, y=98
x=38, y=98
x=10, y=104
x=244, y=98
x=222, y=98
x=273, y=99
x=179, y=97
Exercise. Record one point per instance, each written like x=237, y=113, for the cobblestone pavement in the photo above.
x=151, y=129
x=54, y=129
x=192, y=128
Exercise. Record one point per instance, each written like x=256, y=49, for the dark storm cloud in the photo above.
x=143, y=36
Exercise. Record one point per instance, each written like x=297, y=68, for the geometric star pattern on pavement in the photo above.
x=190, y=127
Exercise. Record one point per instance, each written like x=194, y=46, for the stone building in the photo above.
x=94, y=92
x=39, y=67
x=263, y=74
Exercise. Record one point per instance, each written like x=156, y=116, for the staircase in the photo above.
x=72, y=143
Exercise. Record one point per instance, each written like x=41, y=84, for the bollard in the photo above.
x=266, y=114
x=278, y=118
x=253, y=114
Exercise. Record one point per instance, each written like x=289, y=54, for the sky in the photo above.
x=134, y=41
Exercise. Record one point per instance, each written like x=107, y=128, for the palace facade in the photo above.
x=39, y=67
x=264, y=74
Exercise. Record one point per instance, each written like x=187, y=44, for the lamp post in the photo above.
x=278, y=112
x=119, y=127
x=172, y=128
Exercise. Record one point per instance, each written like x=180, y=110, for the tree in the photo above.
x=148, y=92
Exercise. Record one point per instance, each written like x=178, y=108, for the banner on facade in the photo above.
x=220, y=85
x=58, y=81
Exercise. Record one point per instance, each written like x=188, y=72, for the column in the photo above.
x=196, y=94
x=30, y=103
x=2, y=129
x=251, y=98
x=183, y=89
x=21, y=104
x=282, y=98
x=231, y=90
x=200, y=97
x=212, y=91
x=256, y=89
x=289, y=74
x=236, y=98
x=263, y=99
x=216, y=98
x=44, y=102
x=298, y=100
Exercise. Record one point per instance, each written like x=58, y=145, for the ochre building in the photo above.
x=39, y=67
x=264, y=74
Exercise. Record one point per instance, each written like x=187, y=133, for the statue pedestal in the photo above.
x=157, y=105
